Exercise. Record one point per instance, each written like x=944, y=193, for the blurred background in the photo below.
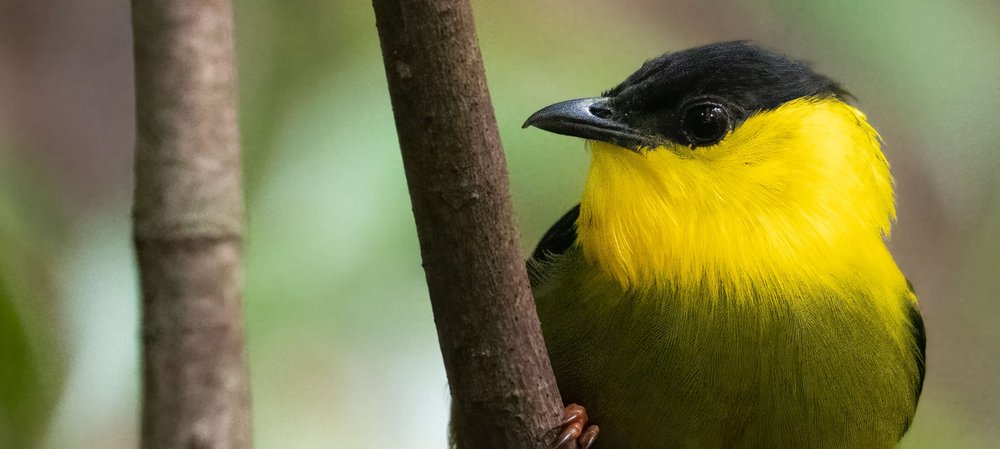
x=341, y=339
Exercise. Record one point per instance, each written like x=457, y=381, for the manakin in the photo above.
x=724, y=282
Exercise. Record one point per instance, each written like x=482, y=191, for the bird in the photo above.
x=724, y=281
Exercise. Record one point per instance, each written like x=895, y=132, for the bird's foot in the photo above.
x=576, y=434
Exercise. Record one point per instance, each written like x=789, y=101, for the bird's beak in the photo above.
x=589, y=118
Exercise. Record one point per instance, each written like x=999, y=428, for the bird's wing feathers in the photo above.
x=556, y=241
x=919, y=338
x=920, y=342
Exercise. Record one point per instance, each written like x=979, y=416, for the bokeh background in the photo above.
x=341, y=340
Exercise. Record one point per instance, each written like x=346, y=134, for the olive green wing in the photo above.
x=918, y=333
x=919, y=337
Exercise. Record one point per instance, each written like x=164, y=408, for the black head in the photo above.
x=692, y=97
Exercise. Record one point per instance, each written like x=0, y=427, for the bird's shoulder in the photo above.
x=556, y=241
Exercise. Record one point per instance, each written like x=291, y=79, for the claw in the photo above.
x=588, y=437
x=567, y=436
x=574, y=433
x=574, y=412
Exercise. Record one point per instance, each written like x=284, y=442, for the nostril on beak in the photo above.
x=600, y=110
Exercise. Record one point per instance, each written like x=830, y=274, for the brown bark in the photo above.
x=188, y=218
x=503, y=390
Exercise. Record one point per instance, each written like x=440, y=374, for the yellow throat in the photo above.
x=796, y=197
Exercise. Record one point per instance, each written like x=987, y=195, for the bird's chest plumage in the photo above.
x=666, y=369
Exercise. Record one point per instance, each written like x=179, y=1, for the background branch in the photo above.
x=503, y=390
x=188, y=217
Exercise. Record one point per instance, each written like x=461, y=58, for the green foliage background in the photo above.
x=341, y=339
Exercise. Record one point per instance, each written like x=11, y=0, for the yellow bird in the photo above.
x=724, y=282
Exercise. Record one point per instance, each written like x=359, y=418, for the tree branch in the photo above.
x=503, y=390
x=188, y=216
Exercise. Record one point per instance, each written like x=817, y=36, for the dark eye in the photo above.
x=705, y=123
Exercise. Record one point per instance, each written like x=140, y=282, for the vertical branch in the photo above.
x=188, y=216
x=503, y=390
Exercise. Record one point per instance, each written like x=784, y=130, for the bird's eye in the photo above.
x=705, y=123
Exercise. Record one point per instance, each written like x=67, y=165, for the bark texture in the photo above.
x=503, y=391
x=188, y=217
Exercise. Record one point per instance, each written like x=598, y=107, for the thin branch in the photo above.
x=188, y=228
x=503, y=390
